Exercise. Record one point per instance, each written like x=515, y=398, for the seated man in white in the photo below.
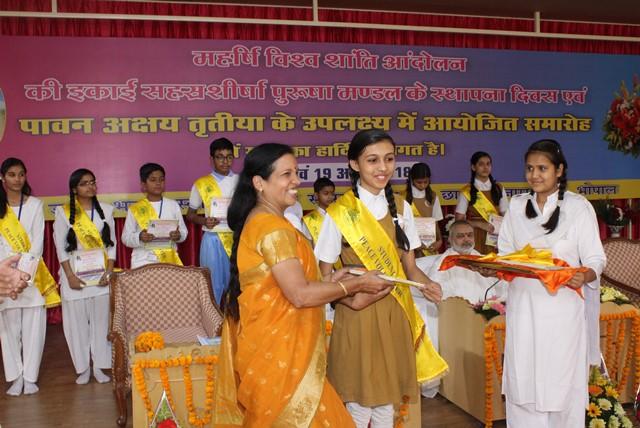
x=461, y=282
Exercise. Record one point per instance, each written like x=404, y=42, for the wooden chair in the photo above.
x=623, y=267
x=174, y=300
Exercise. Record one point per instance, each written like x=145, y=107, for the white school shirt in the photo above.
x=140, y=255
x=60, y=228
x=227, y=184
x=436, y=210
x=329, y=245
x=294, y=214
x=32, y=220
x=545, y=361
x=464, y=283
x=463, y=203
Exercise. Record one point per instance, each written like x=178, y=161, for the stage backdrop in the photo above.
x=111, y=104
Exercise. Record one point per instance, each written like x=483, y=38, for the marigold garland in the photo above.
x=185, y=362
x=491, y=362
x=403, y=412
x=149, y=340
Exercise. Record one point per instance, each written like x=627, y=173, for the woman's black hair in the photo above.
x=26, y=189
x=496, y=192
x=552, y=150
x=259, y=162
x=358, y=143
x=419, y=170
x=105, y=234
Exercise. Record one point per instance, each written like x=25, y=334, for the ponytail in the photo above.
x=72, y=241
x=401, y=238
x=496, y=191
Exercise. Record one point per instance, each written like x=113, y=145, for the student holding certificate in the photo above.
x=324, y=193
x=546, y=359
x=154, y=224
x=426, y=208
x=369, y=226
x=23, y=321
x=480, y=201
x=213, y=192
x=84, y=234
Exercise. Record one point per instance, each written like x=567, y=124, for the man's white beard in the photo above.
x=460, y=249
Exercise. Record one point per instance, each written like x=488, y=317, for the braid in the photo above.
x=229, y=302
x=409, y=193
x=473, y=190
x=3, y=201
x=401, y=237
x=496, y=191
x=531, y=212
x=72, y=242
x=106, y=230
x=354, y=176
x=552, y=223
x=429, y=194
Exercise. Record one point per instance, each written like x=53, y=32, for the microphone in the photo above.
x=490, y=287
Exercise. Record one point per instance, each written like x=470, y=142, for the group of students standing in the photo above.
x=273, y=283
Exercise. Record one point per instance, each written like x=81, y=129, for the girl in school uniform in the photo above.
x=424, y=202
x=481, y=198
x=369, y=226
x=545, y=365
x=85, y=224
x=23, y=322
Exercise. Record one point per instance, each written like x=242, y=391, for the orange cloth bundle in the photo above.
x=527, y=263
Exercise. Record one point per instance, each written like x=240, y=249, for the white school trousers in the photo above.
x=526, y=415
x=86, y=325
x=22, y=332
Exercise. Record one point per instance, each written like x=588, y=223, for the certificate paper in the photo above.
x=160, y=229
x=28, y=263
x=426, y=228
x=89, y=265
x=219, y=208
x=492, y=238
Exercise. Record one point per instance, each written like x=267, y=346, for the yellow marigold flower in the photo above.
x=611, y=391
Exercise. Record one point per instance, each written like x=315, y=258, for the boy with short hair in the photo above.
x=216, y=187
x=145, y=214
x=324, y=192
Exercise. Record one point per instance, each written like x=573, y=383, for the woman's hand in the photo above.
x=75, y=282
x=577, y=281
x=362, y=300
x=104, y=279
x=486, y=272
x=145, y=236
x=12, y=281
x=339, y=275
x=371, y=283
x=432, y=291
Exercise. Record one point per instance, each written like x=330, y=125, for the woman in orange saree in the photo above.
x=273, y=355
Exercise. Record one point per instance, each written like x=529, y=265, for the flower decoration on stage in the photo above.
x=604, y=409
x=149, y=340
x=622, y=123
x=490, y=308
x=610, y=294
x=611, y=214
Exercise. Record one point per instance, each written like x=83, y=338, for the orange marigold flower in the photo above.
x=595, y=390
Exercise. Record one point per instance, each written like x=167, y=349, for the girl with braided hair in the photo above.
x=424, y=203
x=546, y=350
x=83, y=224
x=482, y=197
x=370, y=226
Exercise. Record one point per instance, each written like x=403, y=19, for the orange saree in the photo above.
x=280, y=354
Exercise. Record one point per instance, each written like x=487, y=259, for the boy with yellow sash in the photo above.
x=23, y=321
x=480, y=199
x=153, y=207
x=324, y=192
x=380, y=352
x=217, y=187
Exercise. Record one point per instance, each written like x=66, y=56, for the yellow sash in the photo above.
x=483, y=205
x=143, y=212
x=17, y=237
x=314, y=220
x=357, y=225
x=208, y=188
x=414, y=210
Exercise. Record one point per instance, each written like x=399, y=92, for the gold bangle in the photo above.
x=346, y=293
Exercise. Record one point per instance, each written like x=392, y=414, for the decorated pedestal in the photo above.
x=474, y=347
x=187, y=391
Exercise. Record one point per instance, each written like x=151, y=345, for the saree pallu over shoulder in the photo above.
x=357, y=224
x=208, y=188
x=16, y=236
x=280, y=355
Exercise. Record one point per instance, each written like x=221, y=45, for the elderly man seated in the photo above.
x=455, y=282
x=461, y=282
